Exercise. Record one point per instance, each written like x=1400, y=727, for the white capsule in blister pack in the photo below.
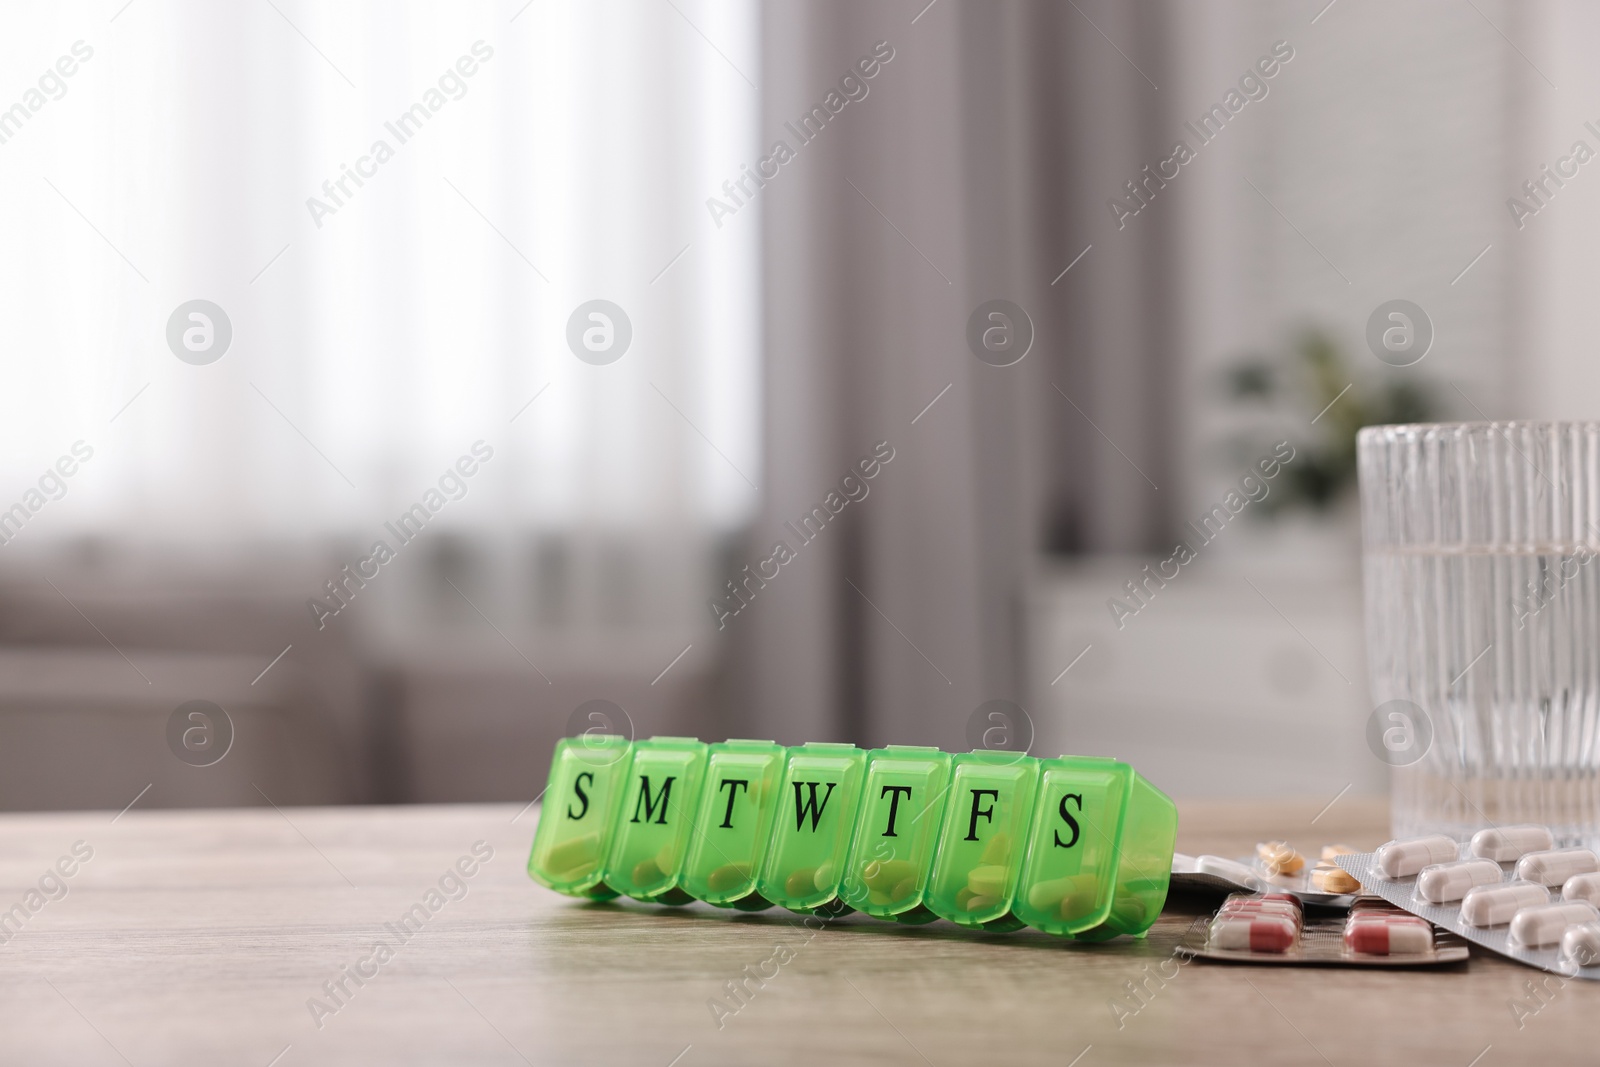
x=1555, y=867
x=1521, y=918
x=1444, y=882
x=1544, y=924
x=1494, y=905
x=1582, y=887
x=1400, y=859
x=1507, y=844
x=1581, y=944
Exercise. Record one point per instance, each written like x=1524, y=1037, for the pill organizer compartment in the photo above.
x=1099, y=853
x=1143, y=859
x=1069, y=873
x=656, y=819
x=581, y=800
x=734, y=824
x=817, y=799
x=987, y=815
x=897, y=833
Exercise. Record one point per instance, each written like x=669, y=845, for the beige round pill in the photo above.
x=1278, y=858
x=1334, y=880
x=903, y=889
x=981, y=903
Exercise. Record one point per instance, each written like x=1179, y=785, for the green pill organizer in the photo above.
x=1079, y=847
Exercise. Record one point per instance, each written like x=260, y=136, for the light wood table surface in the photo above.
x=199, y=937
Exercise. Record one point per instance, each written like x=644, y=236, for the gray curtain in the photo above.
x=955, y=180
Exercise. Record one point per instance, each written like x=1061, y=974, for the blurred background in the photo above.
x=881, y=371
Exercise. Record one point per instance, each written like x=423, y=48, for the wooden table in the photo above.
x=200, y=937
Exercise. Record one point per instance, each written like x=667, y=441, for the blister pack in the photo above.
x=1275, y=867
x=1509, y=890
x=1273, y=928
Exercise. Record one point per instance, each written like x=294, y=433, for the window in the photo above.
x=397, y=209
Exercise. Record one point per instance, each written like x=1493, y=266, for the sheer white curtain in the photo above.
x=563, y=153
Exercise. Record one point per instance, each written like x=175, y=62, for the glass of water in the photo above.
x=1483, y=623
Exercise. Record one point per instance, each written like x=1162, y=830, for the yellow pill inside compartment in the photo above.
x=1072, y=897
x=997, y=852
x=988, y=880
x=573, y=859
x=801, y=882
x=647, y=872
x=728, y=876
x=884, y=875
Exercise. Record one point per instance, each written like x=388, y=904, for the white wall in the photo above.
x=1557, y=260
x=1214, y=688
x=1383, y=143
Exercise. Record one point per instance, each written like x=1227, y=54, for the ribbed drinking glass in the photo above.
x=1483, y=622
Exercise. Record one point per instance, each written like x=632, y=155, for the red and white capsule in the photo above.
x=1254, y=933
x=1407, y=936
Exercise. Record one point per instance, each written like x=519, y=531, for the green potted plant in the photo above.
x=1314, y=397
